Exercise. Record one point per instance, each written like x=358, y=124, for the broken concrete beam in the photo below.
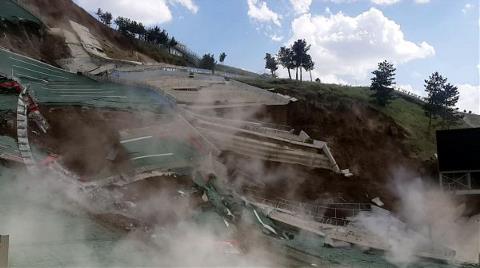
x=377, y=201
x=335, y=243
x=304, y=136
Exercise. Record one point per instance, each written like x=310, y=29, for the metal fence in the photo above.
x=328, y=213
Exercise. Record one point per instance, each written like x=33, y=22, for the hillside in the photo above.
x=43, y=36
x=405, y=112
x=58, y=13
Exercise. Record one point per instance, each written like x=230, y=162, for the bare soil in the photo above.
x=368, y=143
x=156, y=202
x=58, y=13
x=84, y=137
x=35, y=42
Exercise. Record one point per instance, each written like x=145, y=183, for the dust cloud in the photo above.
x=428, y=220
x=47, y=217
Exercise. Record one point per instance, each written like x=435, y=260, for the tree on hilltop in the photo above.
x=309, y=65
x=222, y=57
x=271, y=63
x=300, y=50
x=285, y=58
x=171, y=44
x=441, y=100
x=208, y=62
x=104, y=17
x=163, y=38
x=382, y=83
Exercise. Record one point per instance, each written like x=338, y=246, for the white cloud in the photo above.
x=350, y=47
x=469, y=98
x=259, y=11
x=301, y=6
x=417, y=91
x=276, y=38
x=422, y=1
x=466, y=8
x=379, y=2
x=145, y=11
x=385, y=2
x=342, y=1
x=188, y=4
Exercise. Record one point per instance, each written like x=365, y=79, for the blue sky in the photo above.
x=348, y=37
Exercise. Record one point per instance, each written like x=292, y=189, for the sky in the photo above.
x=348, y=37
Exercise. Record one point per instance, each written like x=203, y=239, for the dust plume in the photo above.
x=47, y=217
x=429, y=221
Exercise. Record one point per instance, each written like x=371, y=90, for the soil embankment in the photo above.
x=361, y=139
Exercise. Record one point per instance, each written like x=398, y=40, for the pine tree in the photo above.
x=271, y=63
x=382, y=83
x=309, y=65
x=208, y=62
x=222, y=57
x=441, y=100
x=299, y=49
x=285, y=58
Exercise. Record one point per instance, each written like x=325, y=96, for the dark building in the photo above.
x=459, y=160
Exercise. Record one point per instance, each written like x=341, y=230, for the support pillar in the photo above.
x=441, y=180
x=4, y=241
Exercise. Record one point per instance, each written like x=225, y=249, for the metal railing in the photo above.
x=328, y=213
x=455, y=182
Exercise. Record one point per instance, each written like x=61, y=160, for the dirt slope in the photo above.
x=367, y=142
x=58, y=13
x=33, y=41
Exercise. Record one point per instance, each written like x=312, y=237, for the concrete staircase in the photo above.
x=264, y=143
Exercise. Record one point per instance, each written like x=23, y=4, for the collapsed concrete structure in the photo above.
x=177, y=140
x=209, y=136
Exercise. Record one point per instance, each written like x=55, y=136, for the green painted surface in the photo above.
x=11, y=11
x=55, y=86
x=162, y=153
x=42, y=232
x=8, y=102
x=8, y=146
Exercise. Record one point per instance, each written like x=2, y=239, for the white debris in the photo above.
x=377, y=201
x=266, y=226
x=336, y=243
x=130, y=204
x=346, y=173
x=205, y=197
